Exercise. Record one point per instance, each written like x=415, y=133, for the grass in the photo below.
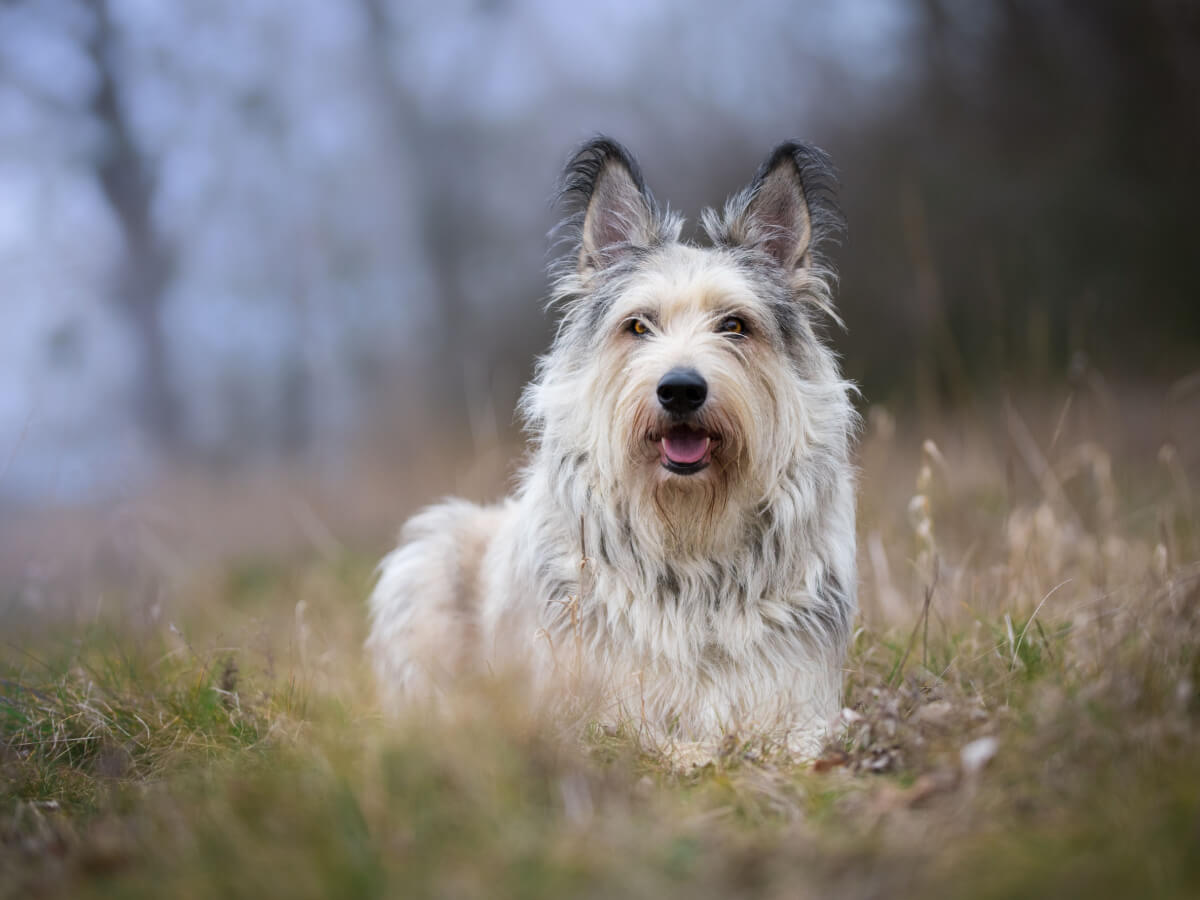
x=1023, y=718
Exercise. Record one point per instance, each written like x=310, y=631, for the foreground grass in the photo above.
x=1026, y=723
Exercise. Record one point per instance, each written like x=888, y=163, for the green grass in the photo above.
x=230, y=746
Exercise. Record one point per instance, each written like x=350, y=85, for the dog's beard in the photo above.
x=687, y=474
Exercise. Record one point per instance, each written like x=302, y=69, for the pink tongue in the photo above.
x=685, y=447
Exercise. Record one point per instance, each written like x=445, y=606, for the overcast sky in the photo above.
x=294, y=187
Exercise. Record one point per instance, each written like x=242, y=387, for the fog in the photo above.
x=237, y=234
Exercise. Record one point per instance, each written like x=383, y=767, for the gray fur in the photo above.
x=694, y=604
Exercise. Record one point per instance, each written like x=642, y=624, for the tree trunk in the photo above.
x=146, y=268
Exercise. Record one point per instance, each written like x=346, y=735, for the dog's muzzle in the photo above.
x=684, y=447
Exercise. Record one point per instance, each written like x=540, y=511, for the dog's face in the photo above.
x=691, y=374
x=691, y=377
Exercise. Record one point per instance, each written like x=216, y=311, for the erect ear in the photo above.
x=616, y=213
x=788, y=208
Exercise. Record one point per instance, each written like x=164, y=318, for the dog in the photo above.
x=682, y=540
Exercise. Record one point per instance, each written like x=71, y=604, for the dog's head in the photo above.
x=693, y=376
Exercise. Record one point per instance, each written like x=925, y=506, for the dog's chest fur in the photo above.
x=740, y=640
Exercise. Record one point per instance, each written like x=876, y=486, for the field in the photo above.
x=1022, y=704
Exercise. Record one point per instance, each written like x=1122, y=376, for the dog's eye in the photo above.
x=732, y=325
x=638, y=327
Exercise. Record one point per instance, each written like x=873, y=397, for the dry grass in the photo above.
x=1023, y=714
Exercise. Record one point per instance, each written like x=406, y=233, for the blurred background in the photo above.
x=279, y=265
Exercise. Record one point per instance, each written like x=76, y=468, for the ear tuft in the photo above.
x=613, y=212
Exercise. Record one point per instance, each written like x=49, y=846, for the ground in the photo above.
x=1022, y=711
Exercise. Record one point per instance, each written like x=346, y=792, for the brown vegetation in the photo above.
x=1022, y=712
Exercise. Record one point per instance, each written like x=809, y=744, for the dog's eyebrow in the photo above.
x=643, y=314
x=749, y=313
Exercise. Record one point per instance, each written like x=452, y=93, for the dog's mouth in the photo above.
x=685, y=450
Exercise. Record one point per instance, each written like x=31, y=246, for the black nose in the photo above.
x=682, y=391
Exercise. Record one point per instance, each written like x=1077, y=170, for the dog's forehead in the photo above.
x=685, y=281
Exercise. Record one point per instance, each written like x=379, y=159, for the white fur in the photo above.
x=689, y=606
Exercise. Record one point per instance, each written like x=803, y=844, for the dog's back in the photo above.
x=425, y=607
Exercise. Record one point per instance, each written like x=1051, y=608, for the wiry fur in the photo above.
x=693, y=604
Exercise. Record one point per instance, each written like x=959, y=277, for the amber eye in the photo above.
x=637, y=326
x=732, y=325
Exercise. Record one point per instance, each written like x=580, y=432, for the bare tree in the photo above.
x=148, y=262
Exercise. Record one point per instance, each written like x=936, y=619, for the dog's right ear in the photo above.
x=614, y=212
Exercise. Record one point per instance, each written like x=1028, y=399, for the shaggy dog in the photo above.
x=681, y=544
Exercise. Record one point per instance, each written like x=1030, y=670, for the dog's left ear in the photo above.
x=787, y=211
